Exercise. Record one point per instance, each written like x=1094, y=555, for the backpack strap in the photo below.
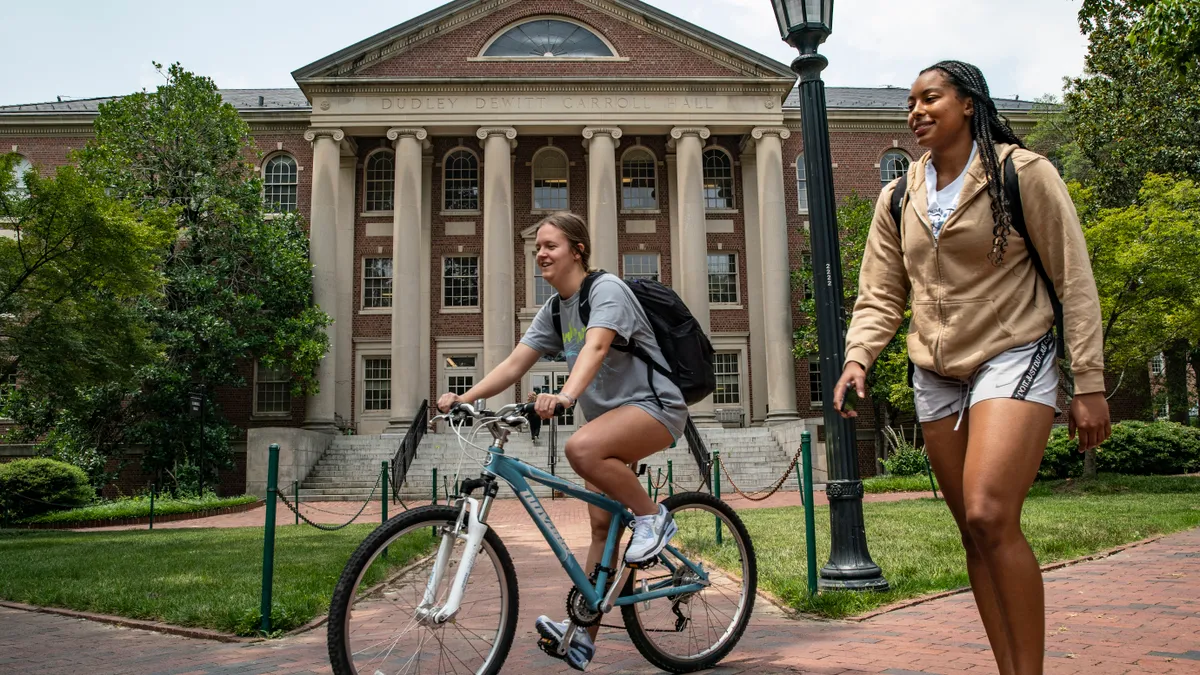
x=897, y=203
x=1012, y=189
x=585, y=303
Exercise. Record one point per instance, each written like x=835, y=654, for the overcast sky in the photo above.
x=85, y=48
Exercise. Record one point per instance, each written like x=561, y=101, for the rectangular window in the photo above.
x=460, y=373
x=377, y=383
x=728, y=392
x=542, y=290
x=377, y=282
x=814, y=382
x=460, y=281
x=1158, y=364
x=8, y=385
x=637, y=181
x=272, y=390
x=802, y=184
x=641, y=266
x=722, y=278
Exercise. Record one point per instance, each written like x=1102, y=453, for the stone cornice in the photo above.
x=313, y=134
x=396, y=133
x=679, y=132
x=782, y=132
x=477, y=85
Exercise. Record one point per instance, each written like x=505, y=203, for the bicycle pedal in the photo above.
x=642, y=565
x=550, y=647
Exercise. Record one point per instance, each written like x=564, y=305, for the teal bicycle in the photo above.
x=434, y=589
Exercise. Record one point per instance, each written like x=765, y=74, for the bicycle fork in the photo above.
x=476, y=528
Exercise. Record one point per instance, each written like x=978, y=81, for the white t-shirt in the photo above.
x=944, y=202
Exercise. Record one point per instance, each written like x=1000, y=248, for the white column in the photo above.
x=602, y=143
x=776, y=275
x=426, y=284
x=323, y=255
x=497, y=278
x=673, y=205
x=693, y=239
x=754, y=288
x=344, y=357
x=406, y=280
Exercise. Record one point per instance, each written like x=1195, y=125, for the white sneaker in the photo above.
x=582, y=649
x=650, y=535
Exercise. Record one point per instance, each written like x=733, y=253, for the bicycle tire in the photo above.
x=639, y=634
x=345, y=593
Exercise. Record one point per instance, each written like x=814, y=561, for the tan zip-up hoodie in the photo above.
x=965, y=310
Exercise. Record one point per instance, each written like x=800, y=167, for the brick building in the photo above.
x=421, y=158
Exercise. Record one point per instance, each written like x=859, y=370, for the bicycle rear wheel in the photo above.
x=374, y=622
x=694, y=631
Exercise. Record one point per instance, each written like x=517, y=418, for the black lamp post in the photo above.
x=805, y=24
x=196, y=398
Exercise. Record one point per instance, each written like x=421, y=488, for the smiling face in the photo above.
x=554, y=255
x=937, y=113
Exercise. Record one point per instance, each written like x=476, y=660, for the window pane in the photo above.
x=460, y=361
x=892, y=166
x=722, y=278
x=22, y=167
x=461, y=181
x=802, y=183
x=641, y=266
x=273, y=389
x=549, y=38
x=460, y=282
x=638, y=181
x=814, y=383
x=377, y=383
x=542, y=290
x=718, y=180
x=377, y=282
x=725, y=366
x=550, y=170
x=279, y=184
x=381, y=181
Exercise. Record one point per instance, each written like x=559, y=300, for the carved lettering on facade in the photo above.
x=420, y=104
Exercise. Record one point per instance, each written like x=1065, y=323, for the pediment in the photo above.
x=446, y=43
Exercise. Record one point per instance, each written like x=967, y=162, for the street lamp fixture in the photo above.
x=805, y=24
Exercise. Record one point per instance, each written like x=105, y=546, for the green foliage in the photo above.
x=1170, y=30
x=1139, y=448
x=29, y=487
x=139, y=507
x=907, y=461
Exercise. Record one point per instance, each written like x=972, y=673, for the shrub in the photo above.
x=1139, y=448
x=29, y=487
x=907, y=461
x=1062, y=458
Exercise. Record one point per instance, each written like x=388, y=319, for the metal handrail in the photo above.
x=408, y=448
x=699, y=451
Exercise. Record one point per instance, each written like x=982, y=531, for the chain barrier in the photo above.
x=329, y=528
x=681, y=488
x=310, y=507
x=660, y=484
x=758, y=496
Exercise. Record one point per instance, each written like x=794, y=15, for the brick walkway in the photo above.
x=1135, y=612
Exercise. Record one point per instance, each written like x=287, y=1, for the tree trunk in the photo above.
x=1089, y=463
x=1176, y=356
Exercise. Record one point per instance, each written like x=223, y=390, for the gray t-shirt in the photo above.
x=622, y=378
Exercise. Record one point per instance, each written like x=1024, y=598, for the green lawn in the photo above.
x=917, y=545
x=139, y=507
x=208, y=578
x=917, y=483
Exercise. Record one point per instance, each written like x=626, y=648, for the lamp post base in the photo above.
x=850, y=567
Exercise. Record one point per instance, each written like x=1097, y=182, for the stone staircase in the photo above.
x=351, y=466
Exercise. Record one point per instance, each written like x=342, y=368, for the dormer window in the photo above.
x=548, y=38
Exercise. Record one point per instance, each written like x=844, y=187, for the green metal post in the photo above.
x=659, y=481
x=296, y=498
x=810, y=527
x=799, y=483
x=670, y=478
x=152, y=506
x=929, y=471
x=383, y=495
x=268, y=577
x=649, y=485
x=716, y=483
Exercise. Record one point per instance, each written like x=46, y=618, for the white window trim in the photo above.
x=657, y=261
x=797, y=165
x=367, y=162
x=737, y=281
x=362, y=287
x=369, y=351
x=478, y=178
x=533, y=178
x=262, y=174
x=621, y=174
x=445, y=347
x=254, y=413
x=884, y=155
x=814, y=405
x=737, y=343
x=475, y=309
x=732, y=181
x=616, y=56
x=1158, y=365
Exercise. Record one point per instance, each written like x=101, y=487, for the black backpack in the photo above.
x=684, y=345
x=1012, y=188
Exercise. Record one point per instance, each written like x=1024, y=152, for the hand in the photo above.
x=545, y=404
x=852, y=376
x=1089, y=417
x=446, y=400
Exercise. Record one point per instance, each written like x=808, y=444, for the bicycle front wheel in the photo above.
x=694, y=631
x=377, y=621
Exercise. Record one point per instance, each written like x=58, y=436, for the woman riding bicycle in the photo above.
x=628, y=419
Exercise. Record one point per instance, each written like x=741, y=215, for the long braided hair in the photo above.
x=988, y=127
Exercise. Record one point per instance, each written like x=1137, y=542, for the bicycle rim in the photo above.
x=383, y=632
x=698, y=628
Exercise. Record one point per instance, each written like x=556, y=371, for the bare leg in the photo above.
x=1006, y=441
x=947, y=450
x=600, y=520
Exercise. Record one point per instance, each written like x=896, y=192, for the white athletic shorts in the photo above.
x=1025, y=373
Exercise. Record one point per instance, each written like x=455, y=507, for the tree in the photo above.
x=887, y=380
x=1170, y=30
x=239, y=285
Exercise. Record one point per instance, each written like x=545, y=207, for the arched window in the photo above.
x=279, y=184
x=550, y=170
x=718, y=179
x=548, y=38
x=460, y=181
x=639, y=180
x=893, y=165
x=381, y=181
x=22, y=167
x=801, y=184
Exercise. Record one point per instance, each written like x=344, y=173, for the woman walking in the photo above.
x=980, y=339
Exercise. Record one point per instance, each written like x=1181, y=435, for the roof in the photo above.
x=242, y=99
x=884, y=98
